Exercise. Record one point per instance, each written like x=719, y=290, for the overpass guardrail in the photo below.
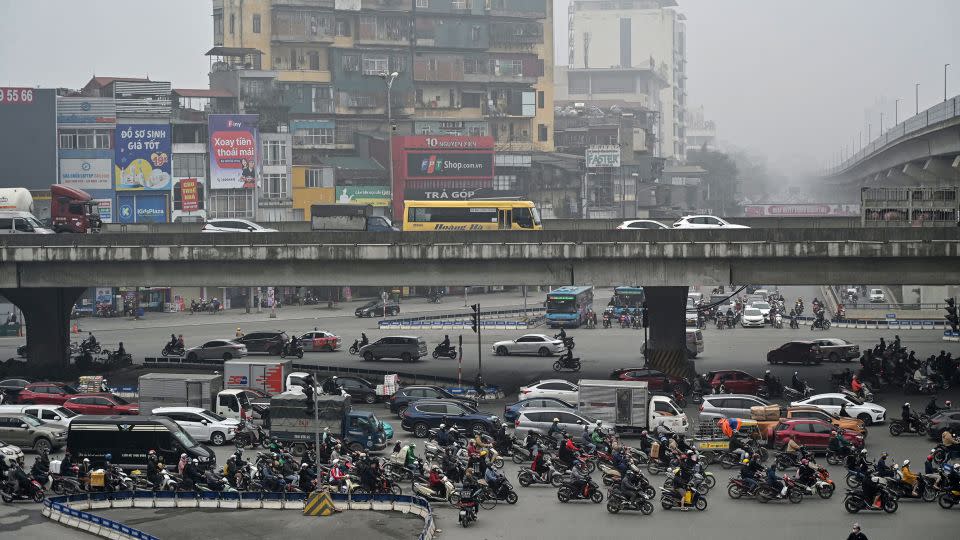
x=74, y=510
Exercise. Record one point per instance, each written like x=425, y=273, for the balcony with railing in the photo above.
x=526, y=9
x=383, y=30
x=515, y=34
x=387, y=5
x=302, y=26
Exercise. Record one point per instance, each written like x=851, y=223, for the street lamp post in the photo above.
x=881, y=124
x=945, y=66
x=916, y=97
x=388, y=78
x=896, y=112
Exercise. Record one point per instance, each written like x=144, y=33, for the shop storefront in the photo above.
x=441, y=168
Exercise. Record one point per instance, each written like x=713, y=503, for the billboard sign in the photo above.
x=801, y=210
x=87, y=173
x=16, y=96
x=142, y=208
x=189, y=195
x=449, y=165
x=142, y=157
x=441, y=194
x=234, y=151
x=84, y=111
x=105, y=209
x=372, y=195
x=603, y=156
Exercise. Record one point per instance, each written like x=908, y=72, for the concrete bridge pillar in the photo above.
x=46, y=312
x=667, y=340
x=920, y=173
x=947, y=171
x=896, y=177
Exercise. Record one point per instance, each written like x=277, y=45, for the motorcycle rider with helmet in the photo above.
x=153, y=469
x=909, y=419
x=630, y=485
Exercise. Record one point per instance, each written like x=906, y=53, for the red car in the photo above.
x=46, y=393
x=320, y=341
x=814, y=434
x=101, y=404
x=653, y=378
x=737, y=382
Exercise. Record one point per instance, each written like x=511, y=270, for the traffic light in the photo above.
x=951, y=315
x=646, y=316
x=476, y=318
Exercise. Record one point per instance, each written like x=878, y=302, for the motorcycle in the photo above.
x=902, y=490
x=504, y=493
x=468, y=509
x=355, y=348
x=171, y=350
x=60, y=484
x=767, y=493
x=948, y=499
x=289, y=349
x=864, y=395
x=855, y=501
x=527, y=477
x=606, y=321
x=778, y=321
x=898, y=427
x=738, y=487
x=820, y=324
x=669, y=499
x=791, y=394
x=421, y=487
x=926, y=387
x=448, y=352
x=794, y=323
x=249, y=434
x=10, y=490
x=679, y=398
x=791, y=460
x=567, y=362
x=617, y=500
x=566, y=493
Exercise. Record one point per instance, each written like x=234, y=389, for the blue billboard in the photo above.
x=143, y=157
x=141, y=208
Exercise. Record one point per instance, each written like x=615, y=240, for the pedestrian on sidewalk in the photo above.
x=856, y=534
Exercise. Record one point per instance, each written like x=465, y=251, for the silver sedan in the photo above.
x=224, y=349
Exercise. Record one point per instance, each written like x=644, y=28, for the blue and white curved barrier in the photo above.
x=75, y=510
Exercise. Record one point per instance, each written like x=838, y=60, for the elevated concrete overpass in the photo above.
x=921, y=150
x=44, y=275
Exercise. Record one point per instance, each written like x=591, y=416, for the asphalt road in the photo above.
x=539, y=514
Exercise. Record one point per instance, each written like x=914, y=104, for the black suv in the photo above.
x=426, y=414
x=408, y=394
x=358, y=388
x=270, y=342
x=377, y=308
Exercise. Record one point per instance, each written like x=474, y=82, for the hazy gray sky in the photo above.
x=789, y=79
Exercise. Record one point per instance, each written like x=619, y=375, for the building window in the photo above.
x=474, y=33
x=540, y=99
x=230, y=203
x=313, y=136
x=460, y=4
x=423, y=3
x=67, y=140
x=86, y=140
x=322, y=99
x=360, y=101
x=102, y=140
x=350, y=62
x=320, y=178
x=274, y=186
x=506, y=182
x=190, y=165
x=541, y=132
x=374, y=65
x=471, y=100
x=343, y=27
x=233, y=24
x=256, y=23
x=274, y=153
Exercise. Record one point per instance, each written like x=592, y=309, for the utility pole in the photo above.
x=476, y=329
x=388, y=79
x=945, y=66
x=896, y=112
x=916, y=97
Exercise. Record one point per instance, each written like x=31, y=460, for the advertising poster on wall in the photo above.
x=432, y=165
x=86, y=173
x=142, y=157
x=188, y=200
x=105, y=209
x=234, y=151
x=372, y=195
x=801, y=210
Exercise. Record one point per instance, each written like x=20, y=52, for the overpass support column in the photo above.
x=667, y=340
x=946, y=170
x=46, y=312
x=922, y=176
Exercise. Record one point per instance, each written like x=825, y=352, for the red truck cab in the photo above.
x=73, y=210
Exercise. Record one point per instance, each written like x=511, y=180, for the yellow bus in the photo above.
x=471, y=215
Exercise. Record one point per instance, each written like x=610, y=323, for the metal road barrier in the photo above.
x=73, y=510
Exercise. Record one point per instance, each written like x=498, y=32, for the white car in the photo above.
x=870, y=413
x=705, y=222
x=234, y=226
x=876, y=295
x=752, y=317
x=764, y=309
x=56, y=415
x=538, y=344
x=551, y=388
x=201, y=424
x=10, y=454
x=639, y=224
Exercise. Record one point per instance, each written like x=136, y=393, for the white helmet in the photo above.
x=906, y=462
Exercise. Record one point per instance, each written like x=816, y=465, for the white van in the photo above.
x=876, y=295
x=16, y=222
x=694, y=342
x=55, y=415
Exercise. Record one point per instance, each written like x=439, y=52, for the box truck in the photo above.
x=192, y=390
x=293, y=422
x=267, y=375
x=630, y=406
